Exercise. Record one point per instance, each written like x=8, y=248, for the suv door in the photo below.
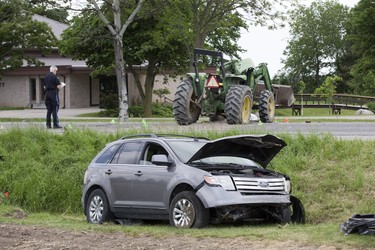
x=120, y=175
x=151, y=183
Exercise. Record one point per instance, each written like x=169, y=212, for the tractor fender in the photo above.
x=239, y=77
x=231, y=79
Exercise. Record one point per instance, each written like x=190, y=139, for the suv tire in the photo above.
x=97, y=209
x=286, y=214
x=187, y=211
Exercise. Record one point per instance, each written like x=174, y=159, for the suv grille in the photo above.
x=251, y=185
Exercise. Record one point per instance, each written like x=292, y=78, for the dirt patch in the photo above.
x=16, y=214
x=14, y=236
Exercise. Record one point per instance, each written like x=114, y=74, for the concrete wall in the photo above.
x=79, y=91
x=76, y=93
x=171, y=84
x=15, y=91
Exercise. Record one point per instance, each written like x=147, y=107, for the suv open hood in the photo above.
x=261, y=149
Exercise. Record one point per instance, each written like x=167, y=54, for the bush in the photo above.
x=109, y=101
x=135, y=111
x=158, y=110
x=371, y=106
x=109, y=113
x=43, y=171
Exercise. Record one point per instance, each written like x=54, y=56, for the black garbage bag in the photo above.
x=360, y=224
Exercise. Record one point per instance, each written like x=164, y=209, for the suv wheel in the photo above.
x=286, y=215
x=97, y=210
x=187, y=211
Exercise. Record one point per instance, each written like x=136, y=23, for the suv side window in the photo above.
x=152, y=149
x=128, y=153
x=107, y=155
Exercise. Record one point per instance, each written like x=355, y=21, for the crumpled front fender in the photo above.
x=217, y=196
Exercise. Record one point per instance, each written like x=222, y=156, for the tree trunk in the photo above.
x=317, y=72
x=121, y=80
x=138, y=83
x=198, y=43
x=149, y=87
x=117, y=30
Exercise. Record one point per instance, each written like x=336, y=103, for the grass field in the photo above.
x=43, y=173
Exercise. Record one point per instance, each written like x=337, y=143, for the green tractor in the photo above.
x=231, y=91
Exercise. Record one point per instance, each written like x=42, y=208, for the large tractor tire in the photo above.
x=266, y=106
x=238, y=104
x=185, y=110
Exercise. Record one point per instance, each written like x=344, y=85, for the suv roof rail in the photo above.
x=160, y=135
x=137, y=136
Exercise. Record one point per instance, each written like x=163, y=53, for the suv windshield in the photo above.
x=185, y=149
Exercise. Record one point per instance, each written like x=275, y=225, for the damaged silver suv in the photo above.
x=189, y=181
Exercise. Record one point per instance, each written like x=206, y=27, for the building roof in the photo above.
x=66, y=63
x=57, y=27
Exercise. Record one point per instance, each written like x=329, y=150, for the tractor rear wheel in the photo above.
x=185, y=109
x=238, y=104
x=266, y=106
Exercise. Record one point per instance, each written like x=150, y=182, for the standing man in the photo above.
x=51, y=87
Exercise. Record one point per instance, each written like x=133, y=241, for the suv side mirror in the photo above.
x=160, y=160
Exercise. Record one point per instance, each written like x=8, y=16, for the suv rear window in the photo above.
x=107, y=155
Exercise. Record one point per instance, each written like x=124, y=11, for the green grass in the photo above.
x=328, y=234
x=314, y=112
x=43, y=173
x=12, y=108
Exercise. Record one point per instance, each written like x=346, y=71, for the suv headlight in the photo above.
x=85, y=178
x=288, y=186
x=224, y=181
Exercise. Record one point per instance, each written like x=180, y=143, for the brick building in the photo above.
x=23, y=87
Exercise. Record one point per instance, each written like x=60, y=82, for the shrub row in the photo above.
x=43, y=171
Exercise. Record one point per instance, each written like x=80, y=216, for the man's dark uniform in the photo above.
x=52, y=99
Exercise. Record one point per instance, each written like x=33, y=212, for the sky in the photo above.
x=267, y=46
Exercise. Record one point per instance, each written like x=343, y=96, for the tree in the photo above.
x=150, y=39
x=155, y=38
x=18, y=33
x=328, y=88
x=161, y=37
x=301, y=88
x=361, y=37
x=217, y=24
x=117, y=30
x=49, y=8
x=317, y=41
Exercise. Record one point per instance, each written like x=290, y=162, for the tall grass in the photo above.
x=43, y=171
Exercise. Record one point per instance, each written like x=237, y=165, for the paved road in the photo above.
x=364, y=129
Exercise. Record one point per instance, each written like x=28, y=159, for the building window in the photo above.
x=41, y=89
x=108, y=85
x=33, y=89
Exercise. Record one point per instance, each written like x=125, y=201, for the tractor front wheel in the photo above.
x=186, y=110
x=266, y=106
x=238, y=104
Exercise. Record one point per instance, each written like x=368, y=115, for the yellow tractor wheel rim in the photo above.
x=271, y=107
x=246, y=106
